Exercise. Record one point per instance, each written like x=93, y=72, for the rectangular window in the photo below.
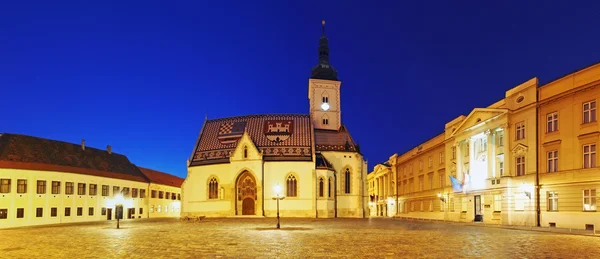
x=520, y=165
x=442, y=180
x=67, y=212
x=589, y=200
x=441, y=157
x=39, y=212
x=103, y=212
x=464, y=204
x=142, y=193
x=589, y=156
x=430, y=162
x=501, y=165
x=134, y=192
x=161, y=194
x=81, y=189
x=153, y=194
x=4, y=185
x=91, y=211
x=173, y=196
x=93, y=189
x=69, y=187
x=115, y=190
x=141, y=211
x=167, y=194
x=105, y=190
x=21, y=186
x=552, y=161
x=552, y=122
x=430, y=179
x=421, y=184
x=3, y=213
x=20, y=213
x=53, y=212
x=79, y=211
x=125, y=192
x=520, y=130
x=552, y=201
x=55, y=187
x=41, y=187
x=589, y=112
x=500, y=139
x=497, y=202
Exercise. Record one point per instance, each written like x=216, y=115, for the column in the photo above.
x=490, y=154
x=506, y=151
x=459, y=163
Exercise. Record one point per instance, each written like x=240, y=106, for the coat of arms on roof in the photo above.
x=230, y=132
x=278, y=130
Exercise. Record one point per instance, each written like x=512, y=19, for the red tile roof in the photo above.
x=334, y=140
x=162, y=178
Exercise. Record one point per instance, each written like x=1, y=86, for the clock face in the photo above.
x=325, y=106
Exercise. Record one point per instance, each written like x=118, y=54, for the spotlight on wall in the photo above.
x=527, y=189
x=442, y=198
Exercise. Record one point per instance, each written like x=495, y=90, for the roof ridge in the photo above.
x=60, y=141
x=261, y=115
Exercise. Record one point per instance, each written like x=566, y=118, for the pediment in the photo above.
x=245, y=143
x=477, y=116
x=520, y=149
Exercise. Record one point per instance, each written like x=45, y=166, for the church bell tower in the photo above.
x=324, y=91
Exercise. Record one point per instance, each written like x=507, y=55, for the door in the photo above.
x=108, y=213
x=130, y=213
x=478, y=210
x=248, y=206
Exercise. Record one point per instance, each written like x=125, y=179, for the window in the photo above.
x=142, y=193
x=67, y=212
x=161, y=195
x=442, y=180
x=589, y=156
x=53, y=212
x=166, y=209
x=213, y=188
x=3, y=213
x=421, y=184
x=464, y=204
x=453, y=152
x=41, y=187
x=589, y=112
x=325, y=121
x=420, y=165
x=93, y=189
x=552, y=161
x=441, y=157
x=116, y=190
x=501, y=165
x=105, y=190
x=430, y=162
x=55, y=187
x=179, y=196
x=152, y=209
x=91, y=211
x=158, y=208
x=125, y=191
x=79, y=211
x=552, y=201
x=153, y=194
x=589, y=200
x=552, y=122
x=103, y=212
x=347, y=180
x=291, y=185
x=520, y=165
x=69, y=187
x=81, y=189
x=325, y=99
x=520, y=130
x=134, y=192
x=141, y=211
x=497, y=202
x=329, y=188
x=321, y=186
x=167, y=195
x=442, y=205
x=430, y=179
x=430, y=205
x=39, y=212
x=245, y=152
x=501, y=139
x=451, y=204
x=4, y=185
x=21, y=186
x=20, y=213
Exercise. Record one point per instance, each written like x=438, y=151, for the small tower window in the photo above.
x=245, y=152
x=325, y=121
x=325, y=99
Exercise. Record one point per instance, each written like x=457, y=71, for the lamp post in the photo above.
x=118, y=207
x=278, y=197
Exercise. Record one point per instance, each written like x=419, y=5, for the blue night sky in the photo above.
x=141, y=75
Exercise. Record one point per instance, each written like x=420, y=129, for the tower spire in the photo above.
x=324, y=70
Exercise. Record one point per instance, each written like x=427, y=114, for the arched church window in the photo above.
x=291, y=185
x=245, y=152
x=329, y=188
x=321, y=186
x=347, y=180
x=213, y=189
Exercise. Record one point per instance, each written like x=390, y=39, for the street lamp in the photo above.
x=278, y=197
x=118, y=207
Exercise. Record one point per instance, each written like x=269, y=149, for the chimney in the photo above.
x=109, y=149
x=83, y=144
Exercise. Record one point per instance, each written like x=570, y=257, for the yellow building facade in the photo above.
x=50, y=182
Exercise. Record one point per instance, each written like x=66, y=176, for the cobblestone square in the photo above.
x=298, y=238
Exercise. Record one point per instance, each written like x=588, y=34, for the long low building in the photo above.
x=46, y=181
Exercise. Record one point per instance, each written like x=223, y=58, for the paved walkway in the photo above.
x=298, y=238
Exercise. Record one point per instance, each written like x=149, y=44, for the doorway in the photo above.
x=478, y=210
x=130, y=212
x=108, y=213
x=248, y=206
x=246, y=194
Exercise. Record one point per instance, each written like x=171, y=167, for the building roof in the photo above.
x=33, y=153
x=162, y=178
x=321, y=162
x=278, y=136
x=335, y=140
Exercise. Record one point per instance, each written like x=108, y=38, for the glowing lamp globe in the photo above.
x=277, y=190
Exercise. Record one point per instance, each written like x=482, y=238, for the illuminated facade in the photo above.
x=382, y=190
x=50, y=182
x=238, y=161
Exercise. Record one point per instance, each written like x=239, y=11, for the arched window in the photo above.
x=213, y=189
x=291, y=185
x=347, y=180
x=321, y=186
x=245, y=152
x=329, y=188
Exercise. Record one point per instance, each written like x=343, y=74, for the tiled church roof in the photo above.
x=278, y=136
x=162, y=178
x=33, y=153
x=332, y=140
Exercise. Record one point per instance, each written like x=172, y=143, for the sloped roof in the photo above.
x=277, y=136
x=33, y=153
x=162, y=178
x=334, y=140
x=321, y=162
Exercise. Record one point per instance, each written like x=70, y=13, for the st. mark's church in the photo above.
x=238, y=161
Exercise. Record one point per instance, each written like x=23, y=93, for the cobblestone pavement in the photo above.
x=298, y=238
